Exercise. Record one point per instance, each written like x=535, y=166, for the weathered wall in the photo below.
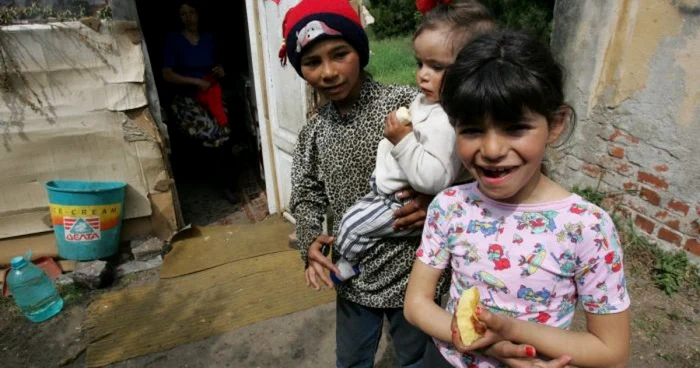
x=73, y=106
x=634, y=80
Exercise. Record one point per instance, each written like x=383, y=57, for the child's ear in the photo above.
x=558, y=124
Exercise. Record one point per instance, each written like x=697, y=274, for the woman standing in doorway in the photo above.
x=192, y=67
x=190, y=64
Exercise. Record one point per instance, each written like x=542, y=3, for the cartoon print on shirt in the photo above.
x=602, y=286
x=455, y=210
x=601, y=239
x=537, y=222
x=573, y=232
x=542, y=317
x=622, y=288
x=578, y=209
x=543, y=296
x=613, y=262
x=517, y=239
x=585, y=269
x=455, y=230
x=470, y=256
x=492, y=282
x=567, y=307
x=487, y=228
x=532, y=263
x=474, y=200
x=599, y=306
x=566, y=262
x=497, y=256
x=437, y=257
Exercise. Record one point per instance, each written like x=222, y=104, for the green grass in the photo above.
x=392, y=60
x=73, y=294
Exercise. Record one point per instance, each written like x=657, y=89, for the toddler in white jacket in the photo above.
x=424, y=160
x=421, y=153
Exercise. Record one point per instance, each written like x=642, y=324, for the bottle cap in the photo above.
x=18, y=262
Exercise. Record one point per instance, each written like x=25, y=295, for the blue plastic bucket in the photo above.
x=86, y=217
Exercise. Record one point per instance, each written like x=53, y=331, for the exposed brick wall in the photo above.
x=647, y=187
x=635, y=95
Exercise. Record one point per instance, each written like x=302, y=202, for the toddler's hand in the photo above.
x=394, y=130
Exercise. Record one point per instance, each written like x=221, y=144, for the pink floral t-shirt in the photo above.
x=532, y=262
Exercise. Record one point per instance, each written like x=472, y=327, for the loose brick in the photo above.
x=631, y=186
x=661, y=215
x=624, y=169
x=679, y=206
x=650, y=196
x=674, y=224
x=618, y=133
x=670, y=236
x=617, y=152
x=661, y=168
x=591, y=170
x=693, y=246
x=645, y=224
x=645, y=177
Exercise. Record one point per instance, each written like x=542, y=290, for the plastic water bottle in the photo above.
x=33, y=291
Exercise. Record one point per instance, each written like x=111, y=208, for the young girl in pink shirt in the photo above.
x=533, y=249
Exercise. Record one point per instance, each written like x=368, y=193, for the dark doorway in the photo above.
x=223, y=184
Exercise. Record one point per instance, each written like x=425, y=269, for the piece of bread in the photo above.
x=466, y=315
x=403, y=115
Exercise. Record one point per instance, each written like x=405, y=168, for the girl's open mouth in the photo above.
x=496, y=173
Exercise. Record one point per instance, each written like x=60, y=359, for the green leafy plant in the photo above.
x=534, y=16
x=68, y=11
x=670, y=271
x=105, y=13
x=590, y=194
x=399, y=17
x=393, y=18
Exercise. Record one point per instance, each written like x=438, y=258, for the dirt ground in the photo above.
x=666, y=333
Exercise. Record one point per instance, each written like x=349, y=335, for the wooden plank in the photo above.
x=155, y=317
x=208, y=247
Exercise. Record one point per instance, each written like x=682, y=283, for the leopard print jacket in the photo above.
x=334, y=158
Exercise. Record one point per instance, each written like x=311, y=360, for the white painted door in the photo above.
x=283, y=93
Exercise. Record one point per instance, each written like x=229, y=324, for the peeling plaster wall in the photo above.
x=74, y=107
x=634, y=79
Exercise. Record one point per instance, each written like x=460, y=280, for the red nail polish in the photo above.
x=479, y=309
x=530, y=351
